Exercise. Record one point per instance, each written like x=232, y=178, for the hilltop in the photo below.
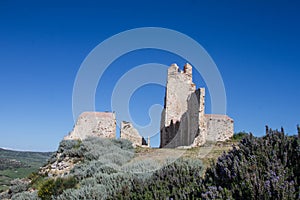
x=100, y=168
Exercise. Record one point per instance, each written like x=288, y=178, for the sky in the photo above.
x=255, y=45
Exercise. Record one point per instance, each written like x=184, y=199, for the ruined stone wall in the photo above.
x=183, y=119
x=94, y=124
x=128, y=132
x=219, y=127
x=179, y=88
x=200, y=138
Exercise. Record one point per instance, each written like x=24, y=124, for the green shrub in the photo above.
x=239, y=136
x=53, y=187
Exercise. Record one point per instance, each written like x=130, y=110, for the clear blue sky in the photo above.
x=255, y=45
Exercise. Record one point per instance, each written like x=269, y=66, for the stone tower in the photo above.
x=184, y=106
x=183, y=119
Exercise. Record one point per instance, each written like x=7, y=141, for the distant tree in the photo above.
x=239, y=136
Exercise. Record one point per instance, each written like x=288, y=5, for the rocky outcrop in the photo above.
x=60, y=167
x=94, y=124
x=128, y=132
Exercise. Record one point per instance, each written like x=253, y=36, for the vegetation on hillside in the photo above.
x=256, y=168
x=239, y=136
x=19, y=164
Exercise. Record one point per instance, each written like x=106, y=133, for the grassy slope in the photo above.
x=31, y=161
x=34, y=160
x=206, y=153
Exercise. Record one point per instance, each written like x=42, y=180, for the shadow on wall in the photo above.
x=185, y=131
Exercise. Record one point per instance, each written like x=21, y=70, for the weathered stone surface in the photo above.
x=219, y=127
x=197, y=120
x=130, y=133
x=183, y=119
x=179, y=89
x=94, y=124
x=61, y=167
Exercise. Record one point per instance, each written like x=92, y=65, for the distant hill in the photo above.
x=24, y=156
x=19, y=164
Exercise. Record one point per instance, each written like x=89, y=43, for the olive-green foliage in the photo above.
x=55, y=187
x=36, y=180
x=239, y=136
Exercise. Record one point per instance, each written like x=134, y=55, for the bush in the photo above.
x=97, y=175
x=55, y=187
x=174, y=181
x=18, y=185
x=259, y=168
x=26, y=196
x=99, y=148
x=96, y=192
x=141, y=166
x=239, y=136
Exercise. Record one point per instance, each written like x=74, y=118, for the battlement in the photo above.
x=186, y=74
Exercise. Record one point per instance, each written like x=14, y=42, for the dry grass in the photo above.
x=206, y=153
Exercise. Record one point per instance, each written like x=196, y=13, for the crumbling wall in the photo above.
x=179, y=87
x=183, y=119
x=174, y=114
x=94, y=124
x=219, y=127
x=130, y=133
x=199, y=138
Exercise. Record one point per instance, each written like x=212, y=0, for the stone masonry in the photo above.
x=219, y=127
x=96, y=124
x=183, y=120
x=130, y=133
x=103, y=124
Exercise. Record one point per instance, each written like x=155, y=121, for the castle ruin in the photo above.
x=93, y=124
x=183, y=119
x=103, y=124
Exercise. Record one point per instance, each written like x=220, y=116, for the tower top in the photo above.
x=188, y=70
